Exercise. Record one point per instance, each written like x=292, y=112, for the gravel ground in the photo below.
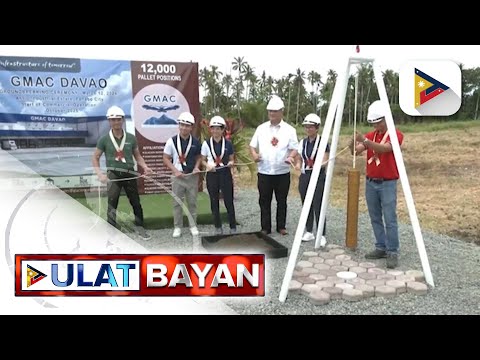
x=455, y=266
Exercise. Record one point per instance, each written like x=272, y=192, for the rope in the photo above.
x=219, y=168
x=333, y=158
x=192, y=222
x=355, y=123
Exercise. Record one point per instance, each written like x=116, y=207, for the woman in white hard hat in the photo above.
x=381, y=184
x=218, y=157
x=182, y=156
x=308, y=150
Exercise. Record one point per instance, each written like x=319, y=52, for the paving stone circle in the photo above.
x=331, y=274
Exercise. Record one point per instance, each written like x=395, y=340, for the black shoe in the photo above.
x=392, y=261
x=143, y=234
x=376, y=254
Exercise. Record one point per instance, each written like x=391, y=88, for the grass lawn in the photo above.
x=157, y=209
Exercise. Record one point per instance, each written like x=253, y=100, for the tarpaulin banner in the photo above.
x=52, y=111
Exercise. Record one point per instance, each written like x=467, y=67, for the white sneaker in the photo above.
x=308, y=237
x=323, y=241
x=177, y=232
x=194, y=231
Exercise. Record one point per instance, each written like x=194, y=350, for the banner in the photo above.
x=53, y=111
x=140, y=275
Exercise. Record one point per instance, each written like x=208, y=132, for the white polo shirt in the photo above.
x=273, y=144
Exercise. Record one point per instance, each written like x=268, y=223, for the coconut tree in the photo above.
x=288, y=81
x=212, y=81
x=391, y=81
x=315, y=79
x=249, y=75
x=227, y=83
x=299, y=81
x=239, y=64
x=202, y=77
x=328, y=87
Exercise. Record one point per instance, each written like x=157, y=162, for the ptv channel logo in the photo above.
x=33, y=276
x=430, y=88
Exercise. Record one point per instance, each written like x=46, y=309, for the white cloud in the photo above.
x=35, y=107
x=120, y=84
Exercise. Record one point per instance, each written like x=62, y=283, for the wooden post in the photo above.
x=352, y=208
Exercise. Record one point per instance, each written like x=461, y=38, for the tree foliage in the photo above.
x=243, y=94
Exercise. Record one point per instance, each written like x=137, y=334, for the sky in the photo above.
x=276, y=60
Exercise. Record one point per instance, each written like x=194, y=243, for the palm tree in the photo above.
x=269, y=87
x=239, y=65
x=315, y=80
x=238, y=89
x=227, y=83
x=289, y=77
x=212, y=84
x=299, y=81
x=249, y=75
x=328, y=87
x=365, y=82
x=390, y=78
x=204, y=75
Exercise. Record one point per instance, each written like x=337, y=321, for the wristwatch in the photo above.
x=365, y=142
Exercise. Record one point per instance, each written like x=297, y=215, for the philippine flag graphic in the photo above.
x=34, y=275
x=430, y=88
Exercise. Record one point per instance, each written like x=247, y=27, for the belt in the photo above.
x=378, y=180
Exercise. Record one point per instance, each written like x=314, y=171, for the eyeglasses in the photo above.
x=116, y=119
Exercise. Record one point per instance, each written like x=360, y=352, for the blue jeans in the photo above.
x=382, y=205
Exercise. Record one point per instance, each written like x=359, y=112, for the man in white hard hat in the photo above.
x=308, y=150
x=381, y=184
x=182, y=156
x=120, y=149
x=218, y=157
x=274, y=148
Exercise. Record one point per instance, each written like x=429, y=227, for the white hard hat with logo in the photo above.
x=312, y=119
x=218, y=121
x=275, y=104
x=186, y=118
x=115, y=112
x=376, y=112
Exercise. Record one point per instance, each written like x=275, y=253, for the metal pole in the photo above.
x=403, y=178
x=309, y=196
x=343, y=85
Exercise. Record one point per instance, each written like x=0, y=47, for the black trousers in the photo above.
x=267, y=186
x=216, y=182
x=114, y=189
x=317, y=199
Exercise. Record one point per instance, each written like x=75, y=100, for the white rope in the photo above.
x=326, y=162
x=219, y=168
x=355, y=122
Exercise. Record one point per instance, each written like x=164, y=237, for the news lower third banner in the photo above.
x=61, y=103
x=140, y=275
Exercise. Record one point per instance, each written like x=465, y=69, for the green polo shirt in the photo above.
x=105, y=144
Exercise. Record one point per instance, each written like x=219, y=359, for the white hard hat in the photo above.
x=312, y=119
x=376, y=112
x=186, y=118
x=115, y=112
x=275, y=104
x=218, y=121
